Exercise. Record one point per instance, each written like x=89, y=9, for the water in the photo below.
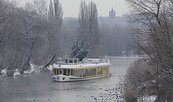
x=40, y=88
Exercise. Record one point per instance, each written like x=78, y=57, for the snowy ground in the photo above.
x=147, y=99
x=34, y=69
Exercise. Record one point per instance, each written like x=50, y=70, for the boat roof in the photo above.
x=79, y=66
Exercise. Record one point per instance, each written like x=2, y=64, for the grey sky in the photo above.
x=71, y=7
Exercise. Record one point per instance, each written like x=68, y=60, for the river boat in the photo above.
x=74, y=70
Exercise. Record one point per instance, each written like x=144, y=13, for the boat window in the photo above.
x=68, y=72
x=70, y=61
x=75, y=72
x=101, y=70
x=66, y=60
x=83, y=72
x=75, y=61
x=58, y=71
x=64, y=72
x=54, y=71
x=72, y=72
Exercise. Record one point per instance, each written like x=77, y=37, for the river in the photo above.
x=40, y=88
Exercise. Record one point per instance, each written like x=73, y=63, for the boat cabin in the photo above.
x=71, y=60
x=71, y=68
x=67, y=61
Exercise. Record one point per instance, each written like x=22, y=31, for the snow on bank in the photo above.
x=50, y=67
x=16, y=72
x=147, y=99
x=4, y=72
x=34, y=69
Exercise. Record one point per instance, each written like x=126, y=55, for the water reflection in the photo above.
x=40, y=88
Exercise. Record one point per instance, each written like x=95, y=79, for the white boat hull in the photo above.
x=64, y=78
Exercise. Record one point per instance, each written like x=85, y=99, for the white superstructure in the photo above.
x=73, y=70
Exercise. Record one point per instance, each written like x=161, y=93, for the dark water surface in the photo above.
x=40, y=88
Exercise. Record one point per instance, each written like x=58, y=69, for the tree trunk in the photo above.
x=26, y=65
x=50, y=61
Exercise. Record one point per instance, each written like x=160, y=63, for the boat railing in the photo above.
x=75, y=61
x=69, y=61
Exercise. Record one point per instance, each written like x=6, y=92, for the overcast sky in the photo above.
x=71, y=7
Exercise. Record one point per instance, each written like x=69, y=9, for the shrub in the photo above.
x=140, y=80
x=129, y=94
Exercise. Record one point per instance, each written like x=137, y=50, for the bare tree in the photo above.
x=116, y=39
x=153, y=32
x=22, y=37
x=88, y=34
x=55, y=18
x=38, y=6
x=94, y=30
